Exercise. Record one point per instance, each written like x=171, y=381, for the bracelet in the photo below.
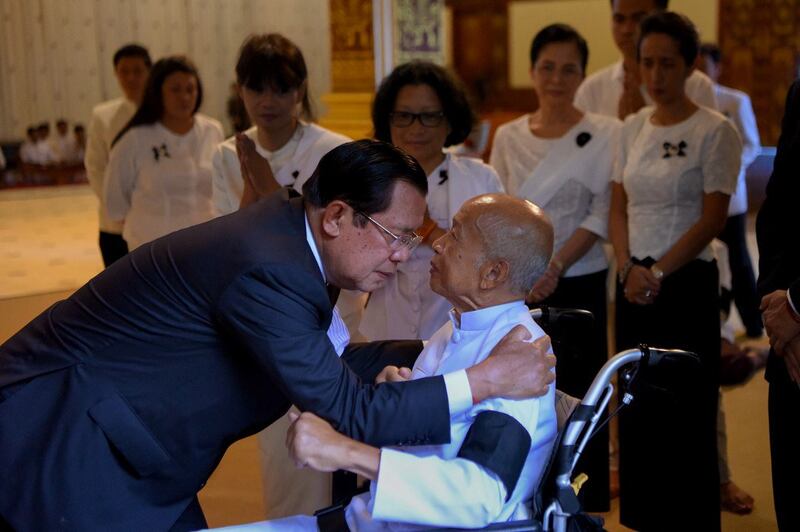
x=624, y=271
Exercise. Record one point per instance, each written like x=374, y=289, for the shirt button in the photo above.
x=456, y=336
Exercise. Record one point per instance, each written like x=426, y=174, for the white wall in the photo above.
x=592, y=18
x=55, y=55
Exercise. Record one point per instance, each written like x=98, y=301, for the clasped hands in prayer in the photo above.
x=783, y=329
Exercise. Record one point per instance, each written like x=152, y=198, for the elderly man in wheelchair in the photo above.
x=484, y=266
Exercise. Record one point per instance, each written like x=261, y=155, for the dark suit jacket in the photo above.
x=777, y=223
x=118, y=403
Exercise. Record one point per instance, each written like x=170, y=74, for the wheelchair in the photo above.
x=556, y=506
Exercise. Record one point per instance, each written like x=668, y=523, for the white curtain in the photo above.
x=56, y=55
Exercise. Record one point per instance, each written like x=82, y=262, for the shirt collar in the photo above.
x=483, y=318
x=313, y=245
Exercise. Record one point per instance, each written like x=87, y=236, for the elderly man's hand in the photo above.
x=546, y=284
x=781, y=326
x=312, y=442
x=515, y=369
x=393, y=374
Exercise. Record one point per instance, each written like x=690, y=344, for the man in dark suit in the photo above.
x=117, y=404
x=779, y=284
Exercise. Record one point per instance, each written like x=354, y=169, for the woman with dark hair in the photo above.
x=158, y=178
x=272, y=81
x=677, y=167
x=561, y=159
x=422, y=109
x=283, y=149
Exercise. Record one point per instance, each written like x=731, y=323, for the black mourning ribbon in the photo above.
x=674, y=149
x=583, y=138
x=158, y=151
x=443, y=176
x=295, y=174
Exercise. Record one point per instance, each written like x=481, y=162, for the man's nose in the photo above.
x=401, y=254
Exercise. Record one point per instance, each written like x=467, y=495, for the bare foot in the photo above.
x=734, y=499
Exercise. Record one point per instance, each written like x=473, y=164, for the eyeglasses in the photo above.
x=405, y=119
x=398, y=242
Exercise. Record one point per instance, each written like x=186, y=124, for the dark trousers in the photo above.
x=669, y=478
x=743, y=280
x=112, y=247
x=784, y=445
x=580, y=353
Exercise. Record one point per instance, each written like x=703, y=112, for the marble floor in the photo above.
x=48, y=248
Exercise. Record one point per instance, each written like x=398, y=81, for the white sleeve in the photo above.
x=459, y=394
x=96, y=157
x=221, y=197
x=433, y=491
x=597, y=219
x=751, y=141
x=723, y=149
x=583, y=97
x=492, y=182
x=497, y=157
x=120, y=177
x=703, y=92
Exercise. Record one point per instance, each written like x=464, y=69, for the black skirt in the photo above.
x=669, y=477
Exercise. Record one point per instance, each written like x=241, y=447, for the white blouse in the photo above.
x=291, y=165
x=406, y=307
x=568, y=177
x=158, y=181
x=666, y=170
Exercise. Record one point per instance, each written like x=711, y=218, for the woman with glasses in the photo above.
x=422, y=109
x=678, y=166
x=561, y=159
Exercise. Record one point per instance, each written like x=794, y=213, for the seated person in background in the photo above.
x=27, y=152
x=43, y=153
x=62, y=143
x=79, y=134
x=484, y=265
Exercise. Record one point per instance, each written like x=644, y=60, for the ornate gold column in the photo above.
x=368, y=38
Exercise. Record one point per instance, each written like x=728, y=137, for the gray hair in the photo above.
x=526, y=247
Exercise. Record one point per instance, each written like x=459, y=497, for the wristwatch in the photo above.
x=657, y=272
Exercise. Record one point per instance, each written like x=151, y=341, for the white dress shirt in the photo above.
x=600, y=92
x=736, y=106
x=406, y=308
x=64, y=147
x=158, y=181
x=666, y=170
x=108, y=119
x=568, y=177
x=423, y=486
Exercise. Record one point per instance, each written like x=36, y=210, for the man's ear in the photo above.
x=333, y=217
x=493, y=274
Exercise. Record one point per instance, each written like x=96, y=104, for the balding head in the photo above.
x=517, y=231
x=498, y=247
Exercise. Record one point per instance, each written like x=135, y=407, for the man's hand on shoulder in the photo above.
x=314, y=443
x=515, y=369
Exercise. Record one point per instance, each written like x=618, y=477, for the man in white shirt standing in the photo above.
x=617, y=90
x=736, y=106
x=131, y=67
